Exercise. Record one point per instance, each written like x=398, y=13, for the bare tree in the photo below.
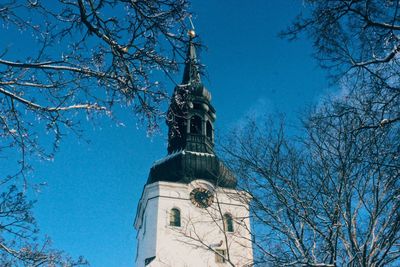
x=64, y=59
x=20, y=244
x=328, y=198
x=66, y=56
x=357, y=41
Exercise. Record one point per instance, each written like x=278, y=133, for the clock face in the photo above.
x=201, y=197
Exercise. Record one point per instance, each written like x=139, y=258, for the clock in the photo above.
x=201, y=197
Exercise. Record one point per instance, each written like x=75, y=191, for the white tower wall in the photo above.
x=201, y=233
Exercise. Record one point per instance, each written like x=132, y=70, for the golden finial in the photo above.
x=192, y=33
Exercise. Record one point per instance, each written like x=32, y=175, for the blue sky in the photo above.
x=89, y=203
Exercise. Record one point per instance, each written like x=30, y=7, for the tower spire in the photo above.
x=191, y=74
x=190, y=121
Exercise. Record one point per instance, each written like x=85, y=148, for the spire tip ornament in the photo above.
x=192, y=33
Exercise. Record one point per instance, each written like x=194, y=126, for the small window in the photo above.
x=175, y=217
x=228, y=222
x=195, y=125
x=220, y=256
x=209, y=130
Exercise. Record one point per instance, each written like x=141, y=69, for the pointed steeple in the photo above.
x=190, y=121
x=191, y=115
x=191, y=74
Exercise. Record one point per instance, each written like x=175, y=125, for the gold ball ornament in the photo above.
x=192, y=33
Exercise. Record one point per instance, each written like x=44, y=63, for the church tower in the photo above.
x=190, y=213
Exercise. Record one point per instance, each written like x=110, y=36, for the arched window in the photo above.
x=175, y=217
x=195, y=125
x=209, y=130
x=228, y=222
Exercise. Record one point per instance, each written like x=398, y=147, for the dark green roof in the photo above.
x=186, y=166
